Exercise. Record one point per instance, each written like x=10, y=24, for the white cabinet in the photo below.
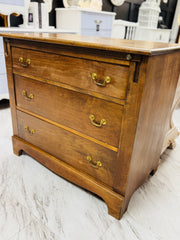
x=152, y=34
x=3, y=77
x=130, y=30
x=124, y=29
x=85, y=22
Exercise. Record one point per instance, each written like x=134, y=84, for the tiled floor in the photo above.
x=36, y=204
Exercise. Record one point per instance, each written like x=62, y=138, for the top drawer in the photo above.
x=73, y=71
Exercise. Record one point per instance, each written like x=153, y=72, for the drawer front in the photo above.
x=71, y=109
x=73, y=71
x=91, y=20
x=84, y=155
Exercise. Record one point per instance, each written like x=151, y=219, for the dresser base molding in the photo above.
x=113, y=200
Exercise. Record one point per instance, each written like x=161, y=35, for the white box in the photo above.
x=85, y=22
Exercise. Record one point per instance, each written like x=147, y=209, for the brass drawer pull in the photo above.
x=102, y=122
x=26, y=64
x=100, y=83
x=94, y=165
x=28, y=130
x=24, y=93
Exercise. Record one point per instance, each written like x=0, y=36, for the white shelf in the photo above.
x=21, y=29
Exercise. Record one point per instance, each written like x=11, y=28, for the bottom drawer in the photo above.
x=84, y=155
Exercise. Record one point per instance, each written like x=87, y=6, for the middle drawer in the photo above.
x=71, y=109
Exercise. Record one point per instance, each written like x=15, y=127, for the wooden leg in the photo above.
x=172, y=144
x=116, y=213
x=153, y=171
x=16, y=148
x=17, y=152
x=115, y=210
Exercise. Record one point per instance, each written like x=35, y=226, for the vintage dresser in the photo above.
x=92, y=110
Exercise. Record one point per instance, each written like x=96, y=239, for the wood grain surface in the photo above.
x=109, y=44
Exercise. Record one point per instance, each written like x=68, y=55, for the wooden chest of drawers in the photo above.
x=92, y=110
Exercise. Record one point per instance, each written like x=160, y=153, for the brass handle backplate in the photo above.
x=23, y=63
x=102, y=122
x=32, y=131
x=7, y=47
x=103, y=83
x=24, y=93
x=92, y=164
x=128, y=57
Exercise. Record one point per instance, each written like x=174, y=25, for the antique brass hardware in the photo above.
x=92, y=164
x=32, y=131
x=27, y=62
x=7, y=47
x=24, y=93
x=128, y=57
x=102, y=122
x=107, y=80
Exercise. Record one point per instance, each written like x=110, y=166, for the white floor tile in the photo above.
x=34, y=231
x=13, y=216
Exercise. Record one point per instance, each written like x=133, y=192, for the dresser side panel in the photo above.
x=129, y=124
x=159, y=90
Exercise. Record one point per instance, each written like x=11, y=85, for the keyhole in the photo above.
x=97, y=27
